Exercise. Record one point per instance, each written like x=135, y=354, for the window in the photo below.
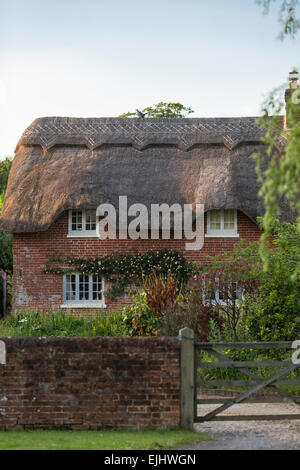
x=83, y=290
x=222, y=292
x=227, y=294
x=82, y=223
x=222, y=223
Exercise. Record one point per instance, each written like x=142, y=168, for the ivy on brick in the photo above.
x=123, y=270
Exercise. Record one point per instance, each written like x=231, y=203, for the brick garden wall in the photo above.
x=32, y=289
x=90, y=383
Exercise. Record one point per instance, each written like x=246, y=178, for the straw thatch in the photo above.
x=66, y=163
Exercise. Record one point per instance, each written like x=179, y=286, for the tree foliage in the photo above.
x=6, y=259
x=226, y=279
x=5, y=166
x=281, y=178
x=287, y=16
x=6, y=254
x=264, y=303
x=161, y=110
x=275, y=306
x=279, y=170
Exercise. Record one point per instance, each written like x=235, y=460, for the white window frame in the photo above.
x=82, y=303
x=217, y=301
x=81, y=233
x=228, y=300
x=222, y=233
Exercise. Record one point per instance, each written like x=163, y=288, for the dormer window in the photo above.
x=82, y=223
x=222, y=223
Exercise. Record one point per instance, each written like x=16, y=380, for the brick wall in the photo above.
x=90, y=383
x=35, y=290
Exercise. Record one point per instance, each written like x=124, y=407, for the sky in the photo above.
x=100, y=58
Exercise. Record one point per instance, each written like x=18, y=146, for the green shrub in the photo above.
x=273, y=310
x=139, y=318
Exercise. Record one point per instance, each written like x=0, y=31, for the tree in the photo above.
x=274, y=308
x=224, y=280
x=264, y=304
x=6, y=260
x=161, y=110
x=287, y=16
x=281, y=178
x=6, y=255
x=5, y=166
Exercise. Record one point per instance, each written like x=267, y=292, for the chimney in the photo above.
x=292, y=99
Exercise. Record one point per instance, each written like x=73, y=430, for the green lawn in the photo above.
x=98, y=440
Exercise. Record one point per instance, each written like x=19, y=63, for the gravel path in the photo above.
x=251, y=435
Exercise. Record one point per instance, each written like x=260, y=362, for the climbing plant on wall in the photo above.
x=122, y=270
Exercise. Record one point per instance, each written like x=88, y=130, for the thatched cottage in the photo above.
x=65, y=167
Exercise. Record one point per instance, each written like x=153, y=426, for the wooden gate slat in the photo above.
x=249, y=417
x=265, y=399
x=239, y=364
x=242, y=383
x=243, y=345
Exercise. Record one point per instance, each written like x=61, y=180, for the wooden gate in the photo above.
x=250, y=385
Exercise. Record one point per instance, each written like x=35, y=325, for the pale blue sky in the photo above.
x=94, y=58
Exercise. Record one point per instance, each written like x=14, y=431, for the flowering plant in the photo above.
x=139, y=318
x=122, y=270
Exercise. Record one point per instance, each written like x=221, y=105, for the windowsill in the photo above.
x=82, y=235
x=222, y=235
x=228, y=302
x=83, y=305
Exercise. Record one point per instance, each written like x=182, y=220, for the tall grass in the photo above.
x=61, y=324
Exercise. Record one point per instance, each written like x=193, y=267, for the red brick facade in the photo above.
x=90, y=383
x=35, y=290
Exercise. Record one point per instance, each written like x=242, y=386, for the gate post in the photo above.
x=187, y=372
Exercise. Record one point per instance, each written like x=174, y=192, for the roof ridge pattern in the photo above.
x=140, y=133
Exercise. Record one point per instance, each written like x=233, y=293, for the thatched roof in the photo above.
x=64, y=163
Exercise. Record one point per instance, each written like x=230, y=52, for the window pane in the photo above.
x=76, y=220
x=221, y=294
x=239, y=292
x=215, y=220
x=229, y=219
x=83, y=287
x=222, y=291
x=90, y=220
x=97, y=288
x=70, y=287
